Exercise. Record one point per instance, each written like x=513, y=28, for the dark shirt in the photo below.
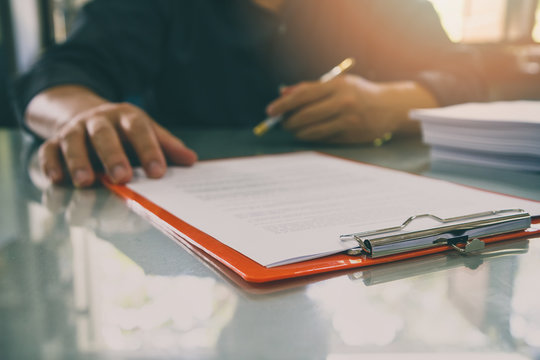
x=220, y=62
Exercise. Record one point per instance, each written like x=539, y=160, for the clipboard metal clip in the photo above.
x=471, y=245
x=466, y=230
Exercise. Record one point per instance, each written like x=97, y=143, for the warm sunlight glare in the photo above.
x=470, y=21
x=536, y=30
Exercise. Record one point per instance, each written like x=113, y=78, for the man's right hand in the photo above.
x=105, y=129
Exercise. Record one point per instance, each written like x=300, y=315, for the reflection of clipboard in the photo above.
x=251, y=271
x=438, y=262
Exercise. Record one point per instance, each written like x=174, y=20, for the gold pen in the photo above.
x=269, y=122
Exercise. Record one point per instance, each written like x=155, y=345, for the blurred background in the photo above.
x=506, y=34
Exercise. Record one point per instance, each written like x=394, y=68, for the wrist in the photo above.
x=403, y=97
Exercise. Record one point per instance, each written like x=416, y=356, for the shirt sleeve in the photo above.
x=115, y=49
x=410, y=43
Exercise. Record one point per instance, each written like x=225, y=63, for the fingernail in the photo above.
x=155, y=169
x=53, y=174
x=286, y=90
x=118, y=173
x=270, y=110
x=80, y=177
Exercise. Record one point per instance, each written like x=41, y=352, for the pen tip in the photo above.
x=260, y=129
x=347, y=63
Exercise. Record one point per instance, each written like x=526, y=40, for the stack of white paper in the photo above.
x=496, y=134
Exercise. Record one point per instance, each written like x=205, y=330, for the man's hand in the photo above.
x=105, y=129
x=348, y=109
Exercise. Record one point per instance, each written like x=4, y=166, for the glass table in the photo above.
x=83, y=277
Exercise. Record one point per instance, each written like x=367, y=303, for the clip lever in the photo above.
x=466, y=229
x=472, y=245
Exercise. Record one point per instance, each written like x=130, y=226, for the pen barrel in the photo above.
x=266, y=125
x=331, y=74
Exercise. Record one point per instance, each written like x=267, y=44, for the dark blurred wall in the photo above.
x=7, y=117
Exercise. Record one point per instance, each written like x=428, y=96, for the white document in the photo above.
x=279, y=209
x=501, y=134
x=516, y=112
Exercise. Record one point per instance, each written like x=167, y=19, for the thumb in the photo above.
x=174, y=148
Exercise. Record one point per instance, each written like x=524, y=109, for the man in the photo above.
x=219, y=62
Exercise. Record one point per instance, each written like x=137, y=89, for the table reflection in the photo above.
x=491, y=306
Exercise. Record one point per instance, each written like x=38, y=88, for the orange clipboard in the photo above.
x=229, y=259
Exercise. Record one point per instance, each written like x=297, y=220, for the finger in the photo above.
x=313, y=114
x=174, y=148
x=108, y=147
x=324, y=131
x=50, y=162
x=301, y=95
x=286, y=90
x=75, y=152
x=141, y=135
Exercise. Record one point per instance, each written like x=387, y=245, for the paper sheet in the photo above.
x=495, y=134
x=494, y=113
x=278, y=209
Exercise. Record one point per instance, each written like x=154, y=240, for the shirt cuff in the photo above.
x=449, y=89
x=41, y=78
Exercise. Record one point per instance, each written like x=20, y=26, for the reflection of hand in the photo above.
x=97, y=209
x=103, y=129
x=348, y=109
